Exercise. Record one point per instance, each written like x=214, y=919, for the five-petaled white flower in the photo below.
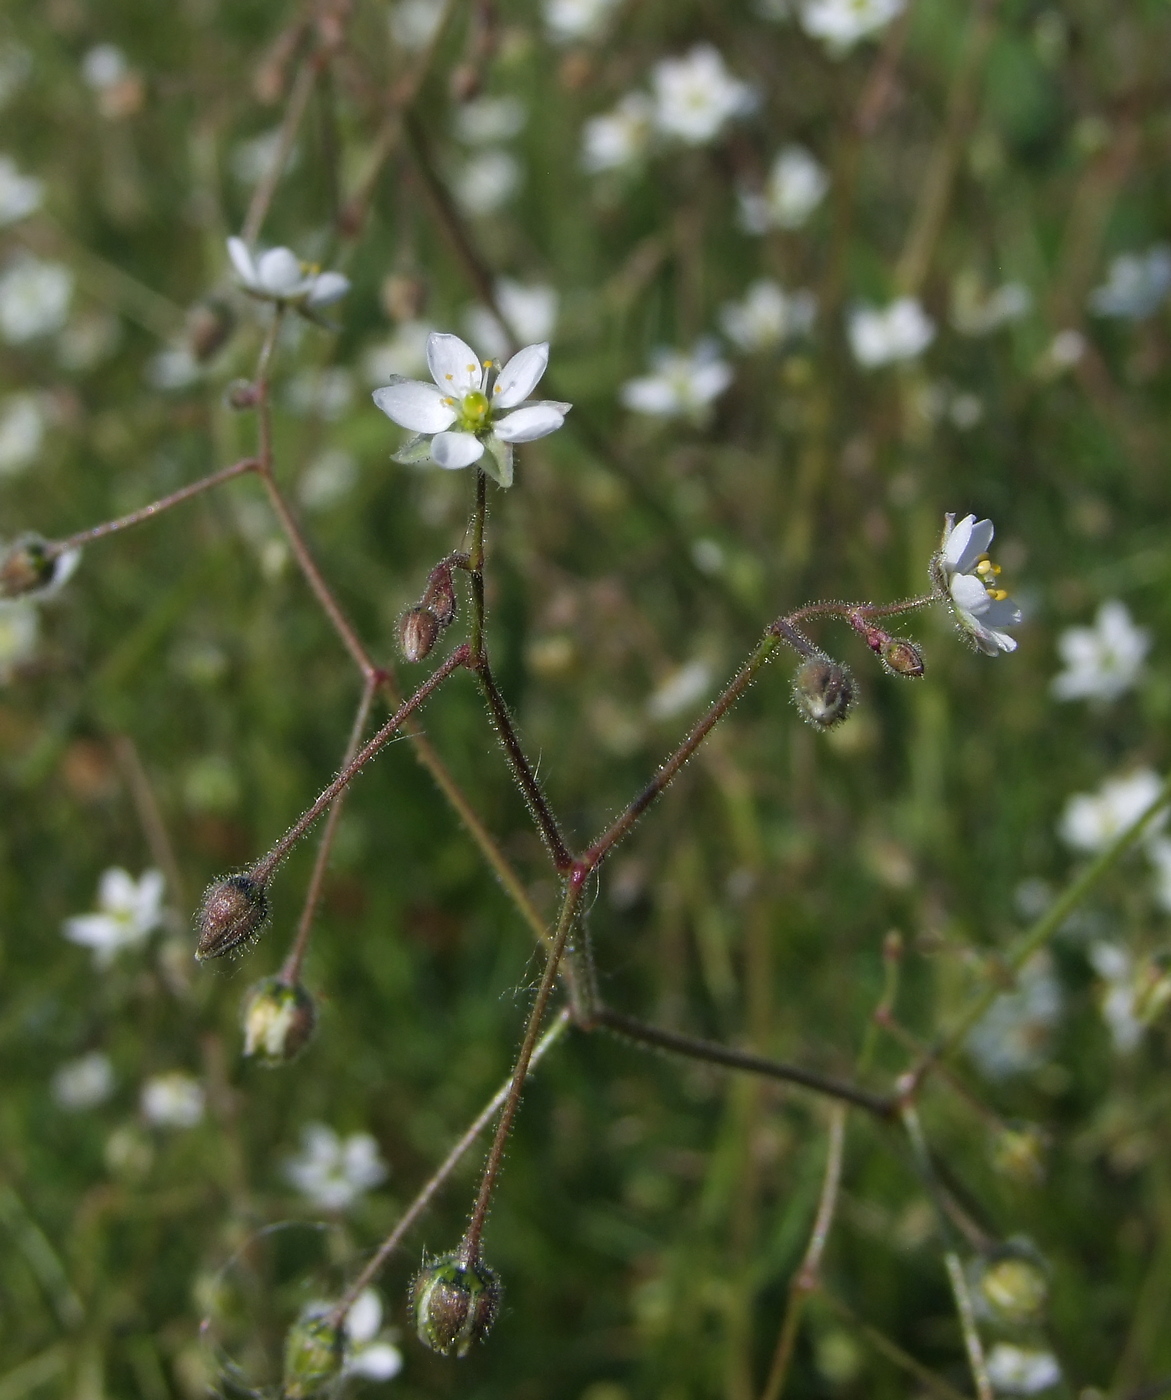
x=796, y=185
x=474, y=411
x=965, y=578
x=1101, y=662
x=618, y=138
x=172, y=1100
x=128, y=910
x=279, y=275
x=899, y=331
x=681, y=385
x=767, y=316
x=333, y=1172
x=1017, y=1370
x=695, y=95
x=839, y=24
x=1093, y=820
x=1136, y=284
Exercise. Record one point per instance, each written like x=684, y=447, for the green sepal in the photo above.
x=414, y=452
x=497, y=461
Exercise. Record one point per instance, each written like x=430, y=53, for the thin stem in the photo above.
x=476, y=528
x=294, y=111
x=291, y=971
x=864, y=610
x=263, y=868
x=55, y=548
x=443, y=1171
x=893, y=1352
x=730, y=1058
x=150, y=815
x=975, y=1348
x=469, y=1249
x=808, y=1277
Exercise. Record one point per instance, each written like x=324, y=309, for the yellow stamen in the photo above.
x=998, y=595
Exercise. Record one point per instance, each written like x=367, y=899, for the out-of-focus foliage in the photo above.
x=651, y=1211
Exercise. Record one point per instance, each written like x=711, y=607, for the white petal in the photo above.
x=453, y=364
x=327, y=288
x=365, y=1317
x=116, y=890
x=377, y=1362
x=242, y=261
x=415, y=405
x=455, y=450
x=278, y=272
x=520, y=376
x=652, y=395
x=970, y=594
x=957, y=541
x=528, y=424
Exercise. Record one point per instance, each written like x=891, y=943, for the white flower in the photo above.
x=484, y=121
x=1104, y=661
x=618, y=138
x=681, y=691
x=85, y=1082
x=279, y=275
x=899, y=331
x=572, y=21
x=367, y=1354
x=487, y=181
x=173, y=1100
x=104, y=67
x=529, y=311
x=1014, y=1034
x=333, y=1172
x=1065, y=350
x=973, y=313
x=251, y=160
x=22, y=430
x=34, y=298
x=414, y=23
x=19, y=626
x=1092, y=821
x=20, y=195
x=128, y=910
x=172, y=369
x=796, y=185
x=474, y=411
x=680, y=385
x=767, y=317
x=1136, y=284
x=1017, y=1370
x=839, y=24
x=328, y=479
x=696, y=95
x=1119, y=1001
x=966, y=578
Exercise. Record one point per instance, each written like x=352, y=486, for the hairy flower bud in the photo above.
x=417, y=633
x=232, y=912
x=439, y=598
x=901, y=657
x=454, y=1304
x=313, y=1356
x=29, y=566
x=279, y=1019
x=209, y=325
x=824, y=691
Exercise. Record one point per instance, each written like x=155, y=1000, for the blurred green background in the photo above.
x=651, y=1212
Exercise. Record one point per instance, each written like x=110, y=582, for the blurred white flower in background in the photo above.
x=22, y=432
x=104, y=67
x=34, y=298
x=695, y=96
x=796, y=185
x=486, y=121
x=619, y=138
x=20, y=195
x=975, y=313
x=767, y=316
x=172, y=369
x=251, y=159
x=1132, y=996
x=128, y=911
x=1104, y=661
x=414, y=23
x=487, y=181
x=328, y=479
x=967, y=577
x=576, y=21
x=367, y=1354
x=682, y=690
x=882, y=336
x=334, y=1172
x=83, y=1083
x=530, y=309
x=20, y=626
x=681, y=384
x=172, y=1100
x=1136, y=284
x=1017, y=1370
x=1091, y=821
x=840, y=24
x=1015, y=1033
x=1065, y=349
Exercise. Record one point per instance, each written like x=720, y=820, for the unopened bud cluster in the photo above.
x=279, y=1019
x=823, y=691
x=898, y=655
x=233, y=911
x=422, y=624
x=454, y=1303
x=31, y=566
x=313, y=1356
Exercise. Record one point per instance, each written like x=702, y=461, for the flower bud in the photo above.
x=241, y=395
x=417, y=633
x=439, y=598
x=232, y=912
x=454, y=1304
x=1014, y=1288
x=279, y=1020
x=28, y=567
x=209, y=325
x=824, y=691
x=313, y=1356
x=901, y=657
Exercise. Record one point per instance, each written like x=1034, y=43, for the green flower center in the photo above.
x=474, y=412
